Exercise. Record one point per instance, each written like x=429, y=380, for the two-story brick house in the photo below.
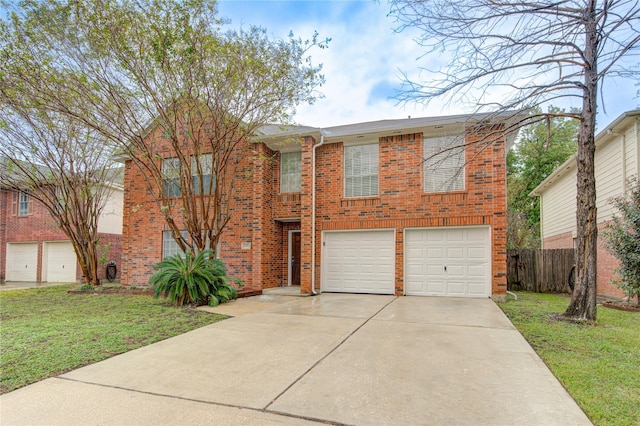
x=361, y=208
x=33, y=248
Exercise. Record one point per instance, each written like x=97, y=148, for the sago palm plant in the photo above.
x=193, y=279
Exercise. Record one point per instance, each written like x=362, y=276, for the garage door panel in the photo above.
x=455, y=288
x=477, y=271
x=477, y=235
x=359, y=261
x=385, y=269
x=435, y=270
x=477, y=289
x=434, y=287
x=435, y=252
x=414, y=269
x=455, y=253
x=455, y=271
x=434, y=236
x=22, y=262
x=464, y=251
x=455, y=235
x=414, y=253
x=61, y=262
x=476, y=253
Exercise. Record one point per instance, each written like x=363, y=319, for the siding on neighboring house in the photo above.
x=616, y=161
x=110, y=221
x=556, y=209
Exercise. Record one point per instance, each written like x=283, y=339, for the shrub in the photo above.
x=622, y=238
x=193, y=278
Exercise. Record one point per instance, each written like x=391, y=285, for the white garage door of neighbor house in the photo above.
x=22, y=261
x=452, y=262
x=358, y=261
x=60, y=263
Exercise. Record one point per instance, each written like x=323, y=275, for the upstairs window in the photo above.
x=290, y=171
x=22, y=204
x=444, y=164
x=361, y=170
x=208, y=183
x=171, y=174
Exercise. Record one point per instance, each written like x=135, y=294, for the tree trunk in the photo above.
x=583, y=301
x=87, y=255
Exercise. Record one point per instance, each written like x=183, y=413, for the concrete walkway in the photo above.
x=332, y=359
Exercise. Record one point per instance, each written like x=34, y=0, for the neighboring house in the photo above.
x=355, y=209
x=617, y=159
x=33, y=248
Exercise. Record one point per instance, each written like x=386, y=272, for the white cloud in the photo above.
x=366, y=58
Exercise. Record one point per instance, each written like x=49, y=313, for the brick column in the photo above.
x=305, y=216
x=499, y=223
x=262, y=232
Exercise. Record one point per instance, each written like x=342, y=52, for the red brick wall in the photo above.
x=606, y=266
x=249, y=244
x=4, y=211
x=558, y=241
x=401, y=202
x=40, y=227
x=114, y=254
x=258, y=204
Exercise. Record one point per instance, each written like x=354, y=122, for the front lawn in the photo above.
x=45, y=331
x=597, y=364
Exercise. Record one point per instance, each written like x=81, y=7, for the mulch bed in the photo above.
x=113, y=290
x=145, y=291
x=621, y=306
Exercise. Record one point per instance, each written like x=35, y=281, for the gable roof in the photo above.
x=275, y=134
x=114, y=175
x=602, y=137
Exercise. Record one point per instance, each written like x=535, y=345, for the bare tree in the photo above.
x=61, y=164
x=162, y=79
x=528, y=54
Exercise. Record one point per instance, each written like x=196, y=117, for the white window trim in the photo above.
x=167, y=238
x=349, y=194
x=23, y=202
x=286, y=185
x=171, y=174
x=458, y=179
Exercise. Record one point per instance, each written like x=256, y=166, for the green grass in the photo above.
x=599, y=364
x=45, y=332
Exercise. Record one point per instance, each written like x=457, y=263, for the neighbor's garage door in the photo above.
x=60, y=263
x=448, y=262
x=22, y=261
x=358, y=261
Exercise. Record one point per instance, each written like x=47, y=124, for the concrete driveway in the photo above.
x=336, y=359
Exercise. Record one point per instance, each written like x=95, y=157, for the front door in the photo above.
x=295, y=258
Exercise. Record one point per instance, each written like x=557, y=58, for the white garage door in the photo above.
x=448, y=262
x=22, y=261
x=358, y=261
x=61, y=262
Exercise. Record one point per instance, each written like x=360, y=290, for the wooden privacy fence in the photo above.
x=542, y=271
